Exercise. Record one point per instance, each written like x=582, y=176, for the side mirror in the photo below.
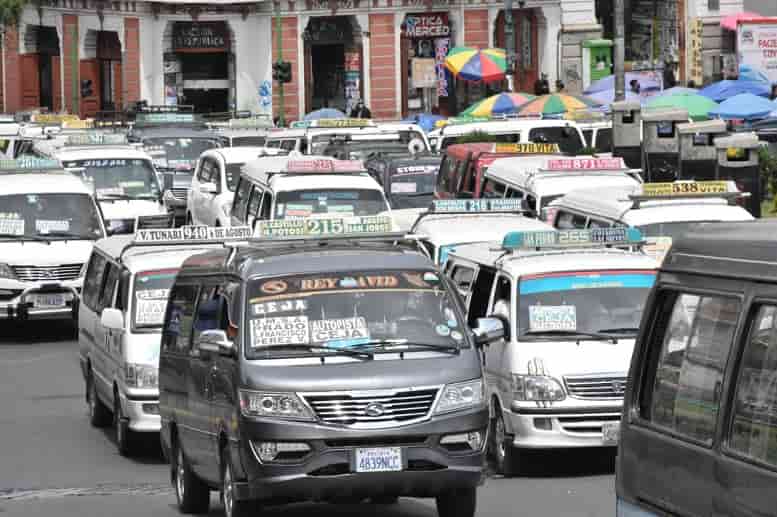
x=209, y=188
x=167, y=181
x=216, y=342
x=112, y=319
x=488, y=330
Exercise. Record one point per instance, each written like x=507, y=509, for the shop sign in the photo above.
x=441, y=47
x=757, y=47
x=696, y=65
x=210, y=35
x=431, y=25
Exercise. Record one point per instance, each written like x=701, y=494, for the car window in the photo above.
x=206, y=170
x=122, y=302
x=569, y=221
x=493, y=189
x=446, y=180
x=604, y=140
x=93, y=280
x=179, y=318
x=462, y=277
x=693, y=346
x=754, y=426
x=215, y=176
x=109, y=286
x=598, y=223
x=481, y=291
x=288, y=145
x=253, y=205
x=513, y=193
x=567, y=138
x=211, y=311
x=241, y=199
x=588, y=134
x=266, y=207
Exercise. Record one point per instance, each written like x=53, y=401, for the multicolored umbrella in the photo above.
x=556, y=104
x=472, y=64
x=698, y=106
x=500, y=103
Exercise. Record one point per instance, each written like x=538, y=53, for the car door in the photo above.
x=204, y=199
x=240, y=203
x=254, y=206
x=89, y=332
x=213, y=201
x=497, y=354
x=111, y=342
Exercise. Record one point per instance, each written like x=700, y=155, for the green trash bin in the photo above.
x=597, y=60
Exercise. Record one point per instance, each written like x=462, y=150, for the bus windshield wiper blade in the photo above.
x=404, y=343
x=24, y=237
x=329, y=350
x=113, y=197
x=629, y=330
x=578, y=333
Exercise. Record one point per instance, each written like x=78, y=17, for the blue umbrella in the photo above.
x=723, y=90
x=324, y=113
x=682, y=90
x=427, y=121
x=608, y=96
x=749, y=73
x=608, y=83
x=744, y=106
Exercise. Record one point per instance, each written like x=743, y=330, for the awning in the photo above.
x=731, y=21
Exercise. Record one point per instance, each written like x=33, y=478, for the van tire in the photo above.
x=192, y=494
x=124, y=435
x=505, y=456
x=232, y=507
x=457, y=503
x=99, y=416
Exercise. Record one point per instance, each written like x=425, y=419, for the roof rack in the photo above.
x=367, y=227
x=320, y=166
x=688, y=190
x=28, y=165
x=187, y=236
x=484, y=206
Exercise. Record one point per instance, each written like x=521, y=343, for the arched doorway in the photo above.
x=333, y=63
x=41, y=69
x=525, y=24
x=100, y=72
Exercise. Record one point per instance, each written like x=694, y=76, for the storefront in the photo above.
x=100, y=72
x=41, y=68
x=527, y=66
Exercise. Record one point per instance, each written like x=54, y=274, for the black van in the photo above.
x=324, y=369
x=699, y=427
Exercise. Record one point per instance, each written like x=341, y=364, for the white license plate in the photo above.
x=379, y=459
x=47, y=301
x=610, y=433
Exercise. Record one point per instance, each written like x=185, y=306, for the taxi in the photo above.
x=312, y=186
x=408, y=180
x=244, y=132
x=338, y=368
x=123, y=305
x=571, y=303
x=49, y=221
x=661, y=211
x=122, y=176
x=541, y=179
x=450, y=223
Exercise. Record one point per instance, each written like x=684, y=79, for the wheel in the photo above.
x=99, y=416
x=124, y=436
x=192, y=494
x=385, y=499
x=232, y=508
x=501, y=446
x=458, y=503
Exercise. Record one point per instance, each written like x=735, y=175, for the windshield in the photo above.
x=674, y=229
x=177, y=153
x=53, y=216
x=329, y=203
x=567, y=138
x=151, y=291
x=584, y=302
x=413, y=180
x=342, y=310
x=122, y=178
x=248, y=141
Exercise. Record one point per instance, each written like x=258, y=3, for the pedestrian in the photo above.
x=691, y=83
x=669, y=78
x=541, y=85
x=360, y=110
x=559, y=86
x=773, y=94
x=634, y=86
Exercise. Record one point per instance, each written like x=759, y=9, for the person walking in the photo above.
x=541, y=85
x=360, y=110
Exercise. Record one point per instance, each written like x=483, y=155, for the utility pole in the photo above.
x=620, y=51
x=510, y=44
x=279, y=42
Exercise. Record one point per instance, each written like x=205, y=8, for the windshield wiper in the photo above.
x=416, y=194
x=113, y=197
x=68, y=235
x=629, y=330
x=24, y=237
x=389, y=343
x=594, y=335
x=329, y=350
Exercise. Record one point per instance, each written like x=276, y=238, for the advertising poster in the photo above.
x=352, y=89
x=441, y=47
x=757, y=47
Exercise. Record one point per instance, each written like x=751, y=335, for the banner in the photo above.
x=441, y=47
x=757, y=47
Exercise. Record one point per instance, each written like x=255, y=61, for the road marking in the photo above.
x=100, y=490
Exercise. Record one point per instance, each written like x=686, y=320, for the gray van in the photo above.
x=699, y=424
x=328, y=368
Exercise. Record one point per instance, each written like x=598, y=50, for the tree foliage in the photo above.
x=10, y=12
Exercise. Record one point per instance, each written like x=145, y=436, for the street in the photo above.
x=54, y=463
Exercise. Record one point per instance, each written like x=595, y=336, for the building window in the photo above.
x=713, y=5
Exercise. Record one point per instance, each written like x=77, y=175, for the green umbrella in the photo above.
x=698, y=106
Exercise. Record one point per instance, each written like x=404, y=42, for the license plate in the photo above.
x=610, y=433
x=47, y=301
x=379, y=459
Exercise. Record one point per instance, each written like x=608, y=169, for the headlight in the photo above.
x=6, y=271
x=227, y=208
x=537, y=388
x=276, y=405
x=140, y=375
x=462, y=395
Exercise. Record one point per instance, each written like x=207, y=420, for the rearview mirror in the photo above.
x=209, y=188
x=112, y=319
x=488, y=330
x=216, y=342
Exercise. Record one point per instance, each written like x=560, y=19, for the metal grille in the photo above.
x=373, y=409
x=180, y=193
x=43, y=273
x=588, y=424
x=603, y=386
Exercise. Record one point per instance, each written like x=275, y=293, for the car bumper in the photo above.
x=559, y=429
x=328, y=473
x=22, y=308
x=142, y=415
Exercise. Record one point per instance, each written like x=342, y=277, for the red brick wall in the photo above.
x=476, y=28
x=130, y=67
x=383, y=67
x=69, y=21
x=13, y=79
x=289, y=40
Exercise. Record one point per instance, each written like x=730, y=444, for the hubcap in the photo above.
x=179, y=473
x=499, y=436
x=227, y=491
x=91, y=398
x=119, y=427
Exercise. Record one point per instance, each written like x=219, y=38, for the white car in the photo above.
x=213, y=185
x=49, y=221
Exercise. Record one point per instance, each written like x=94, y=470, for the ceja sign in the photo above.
x=574, y=164
x=431, y=25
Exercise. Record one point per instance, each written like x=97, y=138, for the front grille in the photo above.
x=602, y=386
x=44, y=273
x=368, y=409
x=155, y=222
x=180, y=193
x=588, y=424
x=380, y=441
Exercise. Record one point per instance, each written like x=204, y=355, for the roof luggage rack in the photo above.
x=187, y=236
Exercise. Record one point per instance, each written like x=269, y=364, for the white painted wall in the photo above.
x=699, y=8
x=764, y=7
x=576, y=12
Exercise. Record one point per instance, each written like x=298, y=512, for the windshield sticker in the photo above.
x=153, y=294
x=339, y=329
x=416, y=169
x=403, y=188
x=47, y=226
x=132, y=184
x=150, y=312
x=552, y=317
x=10, y=226
x=274, y=287
x=297, y=210
x=640, y=280
x=110, y=191
x=282, y=306
x=442, y=330
x=279, y=331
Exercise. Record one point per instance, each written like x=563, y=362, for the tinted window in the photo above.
x=336, y=202
x=109, y=287
x=754, y=427
x=567, y=138
x=569, y=221
x=604, y=140
x=694, y=347
x=93, y=280
x=248, y=141
x=446, y=178
x=179, y=318
x=152, y=288
x=241, y=199
x=254, y=202
x=53, y=216
x=588, y=134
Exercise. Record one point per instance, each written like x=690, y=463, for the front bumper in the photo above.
x=558, y=428
x=22, y=308
x=327, y=472
x=142, y=414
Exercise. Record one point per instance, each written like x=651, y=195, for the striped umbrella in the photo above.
x=500, y=103
x=472, y=64
x=556, y=104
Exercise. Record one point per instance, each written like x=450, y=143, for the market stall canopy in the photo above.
x=499, y=104
x=731, y=21
x=744, y=106
x=646, y=82
x=556, y=104
x=325, y=113
x=723, y=90
x=698, y=106
x=472, y=64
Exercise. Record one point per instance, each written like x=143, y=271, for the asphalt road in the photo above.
x=52, y=463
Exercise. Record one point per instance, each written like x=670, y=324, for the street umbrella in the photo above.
x=427, y=121
x=608, y=83
x=472, y=64
x=324, y=113
x=723, y=90
x=556, y=104
x=607, y=97
x=698, y=106
x=751, y=73
x=499, y=104
x=744, y=106
x=675, y=90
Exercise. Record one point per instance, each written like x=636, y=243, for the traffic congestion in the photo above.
x=350, y=317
